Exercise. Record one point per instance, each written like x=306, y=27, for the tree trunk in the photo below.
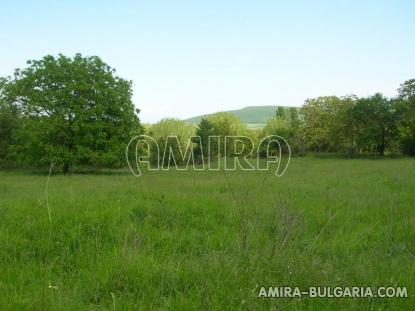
x=383, y=144
x=66, y=167
x=97, y=169
x=382, y=149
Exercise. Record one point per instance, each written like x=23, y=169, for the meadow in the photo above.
x=191, y=240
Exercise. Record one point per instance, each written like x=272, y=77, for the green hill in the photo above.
x=254, y=116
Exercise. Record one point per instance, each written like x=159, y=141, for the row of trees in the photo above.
x=352, y=125
x=220, y=124
x=77, y=111
x=345, y=125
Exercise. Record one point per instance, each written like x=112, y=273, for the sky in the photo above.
x=187, y=58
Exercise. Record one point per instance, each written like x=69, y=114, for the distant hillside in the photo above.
x=256, y=116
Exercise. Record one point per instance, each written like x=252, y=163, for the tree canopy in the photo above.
x=75, y=111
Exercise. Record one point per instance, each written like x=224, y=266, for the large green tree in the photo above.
x=345, y=127
x=332, y=124
x=319, y=117
x=377, y=119
x=75, y=110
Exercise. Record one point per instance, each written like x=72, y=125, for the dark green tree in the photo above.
x=204, y=130
x=9, y=124
x=347, y=126
x=76, y=111
x=377, y=118
x=280, y=112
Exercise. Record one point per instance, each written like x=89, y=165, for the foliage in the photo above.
x=377, y=117
x=280, y=112
x=75, y=110
x=406, y=119
x=9, y=124
x=349, y=123
x=293, y=114
x=204, y=131
x=171, y=127
x=278, y=126
x=226, y=124
x=319, y=117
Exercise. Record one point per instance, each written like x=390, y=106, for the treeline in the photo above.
x=76, y=111
x=352, y=125
x=348, y=126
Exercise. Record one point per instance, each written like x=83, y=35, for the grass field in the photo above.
x=180, y=241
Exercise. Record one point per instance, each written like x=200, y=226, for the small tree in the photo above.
x=227, y=124
x=170, y=127
x=204, y=130
x=280, y=112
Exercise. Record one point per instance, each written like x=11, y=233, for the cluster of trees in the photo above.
x=196, y=138
x=66, y=111
x=76, y=111
x=345, y=125
x=352, y=125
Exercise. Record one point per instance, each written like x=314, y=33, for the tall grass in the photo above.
x=182, y=241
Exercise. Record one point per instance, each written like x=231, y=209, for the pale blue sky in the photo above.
x=192, y=57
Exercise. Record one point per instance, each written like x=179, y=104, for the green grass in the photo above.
x=177, y=241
